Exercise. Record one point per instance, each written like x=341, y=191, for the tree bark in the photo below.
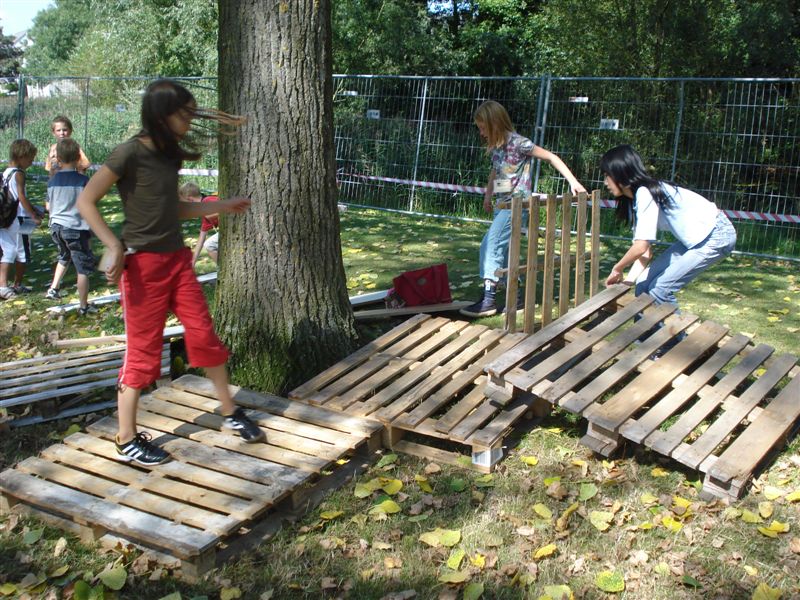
x=282, y=304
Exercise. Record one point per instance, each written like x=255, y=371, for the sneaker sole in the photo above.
x=260, y=438
x=127, y=459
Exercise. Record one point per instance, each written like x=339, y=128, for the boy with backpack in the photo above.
x=13, y=200
x=69, y=231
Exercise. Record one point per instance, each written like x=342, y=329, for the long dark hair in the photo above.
x=624, y=165
x=164, y=98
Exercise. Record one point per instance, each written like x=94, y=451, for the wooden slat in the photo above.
x=20, y=384
x=72, y=389
x=139, y=499
x=225, y=462
x=58, y=362
x=612, y=413
x=532, y=265
x=422, y=370
x=594, y=257
x=182, y=541
x=527, y=379
x=459, y=411
x=549, y=260
x=277, y=405
x=357, y=357
x=55, y=358
x=639, y=429
x=627, y=363
x=580, y=250
x=438, y=377
x=728, y=421
x=391, y=313
x=538, y=340
x=566, y=234
x=490, y=434
x=512, y=278
x=666, y=441
x=769, y=428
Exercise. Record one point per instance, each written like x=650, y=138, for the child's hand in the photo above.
x=577, y=189
x=614, y=277
x=235, y=205
x=112, y=263
x=487, y=204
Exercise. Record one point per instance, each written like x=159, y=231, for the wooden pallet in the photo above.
x=60, y=376
x=715, y=402
x=216, y=496
x=425, y=377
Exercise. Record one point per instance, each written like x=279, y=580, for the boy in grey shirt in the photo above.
x=69, y=231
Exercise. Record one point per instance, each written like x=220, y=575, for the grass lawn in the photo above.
x=551, y=515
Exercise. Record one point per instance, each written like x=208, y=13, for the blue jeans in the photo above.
x=678, y=265
x=494, y=247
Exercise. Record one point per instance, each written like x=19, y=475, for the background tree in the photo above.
x=9, y=56
x=282, y=302
x=56, y=31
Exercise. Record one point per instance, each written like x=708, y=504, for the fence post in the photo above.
x=678, y=124
x=541, y=117
x=419, y=142
x=21, y=107
x=86, y=113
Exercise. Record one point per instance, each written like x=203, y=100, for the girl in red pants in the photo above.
x=151, y=263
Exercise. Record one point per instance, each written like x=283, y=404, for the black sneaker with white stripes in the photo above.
x=240, y=422
x=141, y=450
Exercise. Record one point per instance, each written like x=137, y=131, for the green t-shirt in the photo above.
x=148, y=186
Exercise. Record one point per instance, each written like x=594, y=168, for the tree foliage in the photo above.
x=9, y=56
x=444, y=37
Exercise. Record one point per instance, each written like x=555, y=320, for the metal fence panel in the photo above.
x=409, y=143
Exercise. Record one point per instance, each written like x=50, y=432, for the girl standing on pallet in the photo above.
x=703, y=233
x=152, y=264
x=511, y=155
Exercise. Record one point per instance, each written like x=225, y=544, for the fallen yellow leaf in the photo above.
x=793, y=497
x=773, y=493
x=751, y=517
x=541, y=510
x=601, y=519
x=764, y=592
x=765, y=509
x=659, y=472
x=545, y=551
x=671, y=524
x=768, y=532
x=779, y=527
x=531, y=461
x=648, y=498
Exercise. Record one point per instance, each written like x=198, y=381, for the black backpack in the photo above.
x=8, y=204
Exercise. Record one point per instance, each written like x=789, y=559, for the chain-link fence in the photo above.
x=409, y=143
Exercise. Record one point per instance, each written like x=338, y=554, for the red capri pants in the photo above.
x=154, y=283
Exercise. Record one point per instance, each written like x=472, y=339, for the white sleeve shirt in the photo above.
x=688, y=216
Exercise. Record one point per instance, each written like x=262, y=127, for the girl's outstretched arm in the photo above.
x=193, y=210
x=559, y=165
x=639, y=251
x=94, y=191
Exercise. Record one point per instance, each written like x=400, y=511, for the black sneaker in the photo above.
x=141, y=450
x=240, y=422
x=53, y=294
x=485, y=307
x=89, y=309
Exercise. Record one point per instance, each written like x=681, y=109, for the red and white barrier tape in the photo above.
x=741, y=215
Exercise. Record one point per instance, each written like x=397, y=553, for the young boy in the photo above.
x=62, y=129
x=69, y=231
x=190, y=192
x=21, y=155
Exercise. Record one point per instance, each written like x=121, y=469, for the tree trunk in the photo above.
x=282, y=304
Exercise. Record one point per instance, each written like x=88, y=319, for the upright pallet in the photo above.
x=216, y=497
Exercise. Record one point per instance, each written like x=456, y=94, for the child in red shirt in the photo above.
x=190, y=192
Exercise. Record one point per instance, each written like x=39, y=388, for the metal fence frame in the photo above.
x=408, y=142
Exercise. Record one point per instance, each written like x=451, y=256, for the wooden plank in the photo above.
x=58, y=362
x=48, y=359
x=638, y=430
x=13, y=386
x=396, y=366
x=72, y=389
x=628, y=361
x=181, y=540
x=356, y=358
x=426, y=387
x=489, y=435
x=750, y=447
x=275, y=422
x=221, y=461
x=580, y=250
x=525, y=380
x=532, y=265
x=564, y=275
x=615, y=411
x=549, y=260
x=368, y=298
x=666, y=441
x=390, y=313
x=430, y=453
x=277, y=405
x=422, y=370
x=465, y=378
x=132, y=497
x=512, y=278
x=594, y=257
x=174, y=331
x=716, y=433
x=538, y=340
x=211, y=421
x=459, y=411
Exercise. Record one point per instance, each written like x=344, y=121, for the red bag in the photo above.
x=424, y=286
